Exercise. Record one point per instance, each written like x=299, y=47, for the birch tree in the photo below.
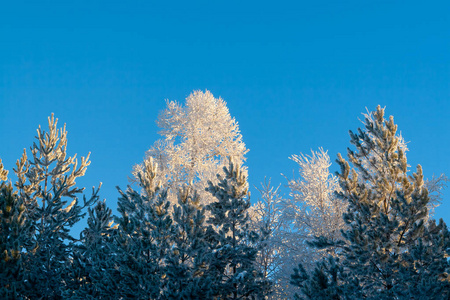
x=314, y=208
x=197, y=138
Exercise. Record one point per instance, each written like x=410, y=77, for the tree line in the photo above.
x=186, y=228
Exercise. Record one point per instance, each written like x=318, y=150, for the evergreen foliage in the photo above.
x=232, y=270
x=39, y=215
x=187, y=261
x=186, y=235
x=144, y=237
x=390, y=250
x=15, y=230
x=94, y=270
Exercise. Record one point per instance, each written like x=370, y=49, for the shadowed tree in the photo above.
x=47, y=190
x=390, y=249
x=232, y=269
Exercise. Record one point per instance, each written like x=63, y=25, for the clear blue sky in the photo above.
x=295, y=74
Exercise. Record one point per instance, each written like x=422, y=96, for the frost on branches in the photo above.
x=42, y=210
x=314, y=209
x=288, y=224
x=391, y=249
x=197, y=139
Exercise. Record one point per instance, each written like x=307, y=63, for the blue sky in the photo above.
x=295, y=74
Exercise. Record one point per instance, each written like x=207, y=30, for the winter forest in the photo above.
x=187, y=227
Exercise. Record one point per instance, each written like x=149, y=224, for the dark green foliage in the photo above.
x=40, y=215
x=322, y=283
x=144, y=238
x=15, y=231
x=390, y=250
x=94, y=268
x=232, y=272
x=187, y=260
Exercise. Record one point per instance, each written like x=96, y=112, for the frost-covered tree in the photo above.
x=390, y=249
x=187, y=261
x=47, y=190
x=232, y=269
x=3, y=172
x=144, y=238
x=314, y=208
x=94, y=269
x=197, y=139
x=15, y=233
x=435, y=185
x=265, y=218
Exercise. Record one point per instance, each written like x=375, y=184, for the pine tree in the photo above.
x=144, y=237
x=94, y=268
x=46, y=187
x=15, y=230
x=390, y=250
x=187, y=260
x=231, y=267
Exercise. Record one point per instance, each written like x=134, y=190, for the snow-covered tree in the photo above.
x=265, y=219
x=15, y=232
x=232, y=269
x=435, y=185
x=279, y=245
x=3, y=172
x=390, y=250
x=144, y=238
x=94, y=269
x=314, y=208
x=46, y=188
x=187, y=261
x=197, y=139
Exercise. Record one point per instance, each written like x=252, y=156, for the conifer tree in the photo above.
x=390, y=250
x=94, y=267
x=231, y=267
x=46, y=187
x=144, y=238
x=187, y=260
x=15, y=231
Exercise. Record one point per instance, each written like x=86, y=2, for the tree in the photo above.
x=187, y=262
x=311, y=210
x=197, y=139
x=289, y=224
x=94, y=269
x=232, y=270
x=144, y=238
x=47, y=190
x=265, y=216
x=390, y=250
x=314, y=208
x=15, y=230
